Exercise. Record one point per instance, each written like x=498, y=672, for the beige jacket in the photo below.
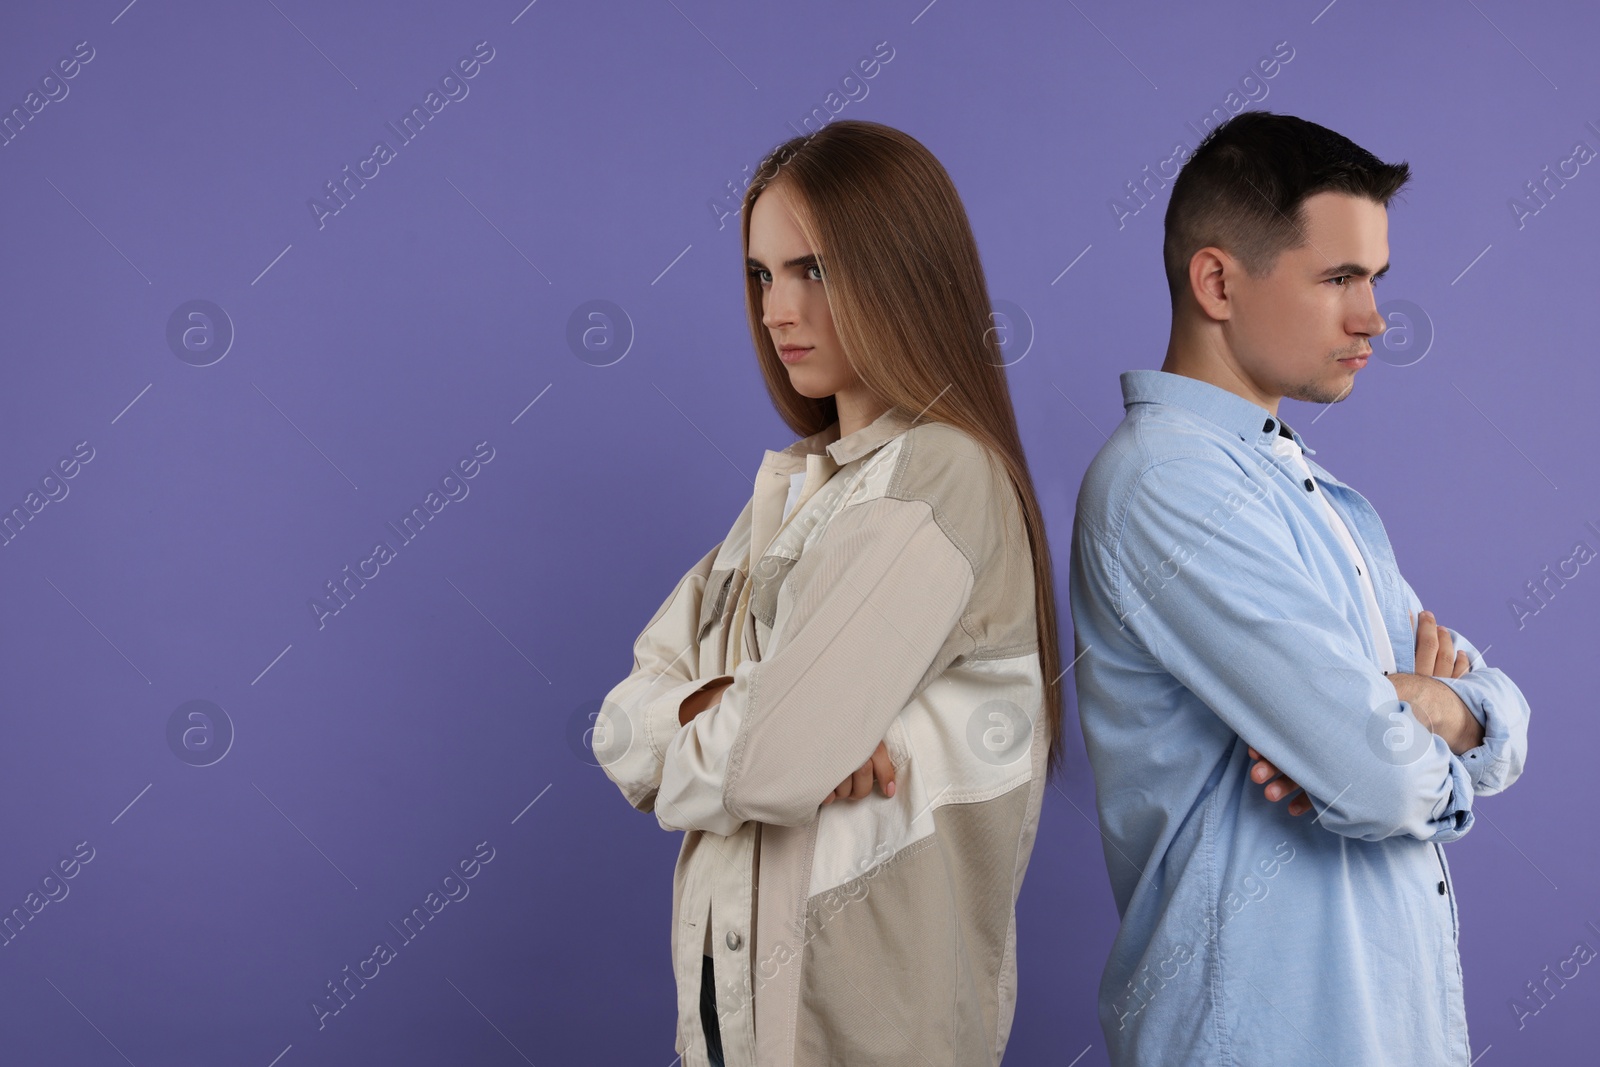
x=894, y=603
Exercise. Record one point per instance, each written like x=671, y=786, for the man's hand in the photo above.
x=700, y=700
x=1435, y=650
x=1439, y=709
x=859, y=784
x=1281, y=787
x=1436, y=705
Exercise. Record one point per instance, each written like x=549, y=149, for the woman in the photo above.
x=880, y=614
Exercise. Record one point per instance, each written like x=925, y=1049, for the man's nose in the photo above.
x=1372, y=321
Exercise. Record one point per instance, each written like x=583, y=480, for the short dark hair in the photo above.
x=1244, y=189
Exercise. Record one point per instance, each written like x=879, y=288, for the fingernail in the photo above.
x=888, y=790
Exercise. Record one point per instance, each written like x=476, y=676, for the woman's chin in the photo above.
x=808, y=385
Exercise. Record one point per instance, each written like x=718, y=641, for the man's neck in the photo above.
x=1207, y=358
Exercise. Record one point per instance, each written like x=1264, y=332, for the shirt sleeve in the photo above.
x=639, y=716
x=868, y=621
x=1497, y=704
x=1209, y=578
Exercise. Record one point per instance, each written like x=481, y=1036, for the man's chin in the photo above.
x=1320, y=394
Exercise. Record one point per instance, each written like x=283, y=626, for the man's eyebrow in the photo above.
x=805, y=261
x=1354, y=269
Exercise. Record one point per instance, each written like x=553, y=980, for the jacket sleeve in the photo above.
x=639, y=716
x=1497, y=704
x=1209, y=578
x=868, y=621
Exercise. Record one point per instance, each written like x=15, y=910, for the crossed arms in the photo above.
x=1436, y=706
x=1236, y=617
x=872, y=613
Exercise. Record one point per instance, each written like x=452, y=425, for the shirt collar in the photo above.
x=1244, y=418
x=815, y=445
x=854, y=445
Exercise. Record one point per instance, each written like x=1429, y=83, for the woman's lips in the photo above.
x=793, y=355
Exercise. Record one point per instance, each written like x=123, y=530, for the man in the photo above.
x=1242, y=620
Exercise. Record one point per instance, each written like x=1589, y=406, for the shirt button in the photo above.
x=1310, y=485
x=1441, y=891
x=1268, y=427
x=734, y=940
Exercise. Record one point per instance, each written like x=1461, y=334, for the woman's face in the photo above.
x=794, y=304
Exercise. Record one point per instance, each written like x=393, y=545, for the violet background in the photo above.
x=432, y=312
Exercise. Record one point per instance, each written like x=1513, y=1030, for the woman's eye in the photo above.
x=817, y=269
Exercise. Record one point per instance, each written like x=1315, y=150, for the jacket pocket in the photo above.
x=771, y=572
x=722, y=590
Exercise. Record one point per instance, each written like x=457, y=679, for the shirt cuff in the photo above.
x=1456, y=817
x=661, y=713
x=1486, y=763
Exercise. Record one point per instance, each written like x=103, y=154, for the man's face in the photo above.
x=794, y=304
x=1304, y=330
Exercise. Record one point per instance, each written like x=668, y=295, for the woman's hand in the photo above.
x=878, y=768
x=859, y=785
x=700, y=700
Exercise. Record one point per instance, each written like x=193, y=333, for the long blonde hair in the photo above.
x=909, y=302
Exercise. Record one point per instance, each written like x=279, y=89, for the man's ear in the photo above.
x=1209, y=271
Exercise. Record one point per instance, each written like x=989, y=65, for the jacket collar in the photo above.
x=820, y=456
x=1249, y=421
x=853, y=446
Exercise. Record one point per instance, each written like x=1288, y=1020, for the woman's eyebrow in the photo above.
x=807, y=260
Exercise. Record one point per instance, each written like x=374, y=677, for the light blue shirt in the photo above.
x=1215, y=608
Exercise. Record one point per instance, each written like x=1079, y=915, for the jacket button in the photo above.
x=1441, y=889
x=734, y=940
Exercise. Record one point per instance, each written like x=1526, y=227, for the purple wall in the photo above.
x=346, y=363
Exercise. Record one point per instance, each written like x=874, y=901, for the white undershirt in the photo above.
x=795, y=481
x=1290, y=451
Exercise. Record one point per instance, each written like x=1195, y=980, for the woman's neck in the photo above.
x=856, y=409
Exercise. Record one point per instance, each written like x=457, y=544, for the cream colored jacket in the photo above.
x=894, y=603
